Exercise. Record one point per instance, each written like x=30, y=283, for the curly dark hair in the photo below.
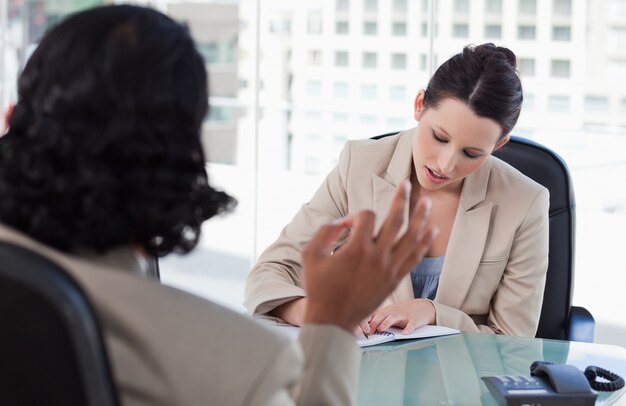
x=103, y=147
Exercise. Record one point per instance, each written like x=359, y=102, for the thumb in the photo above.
x=322, y=242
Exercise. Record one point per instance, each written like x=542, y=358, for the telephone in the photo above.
x=552, y=385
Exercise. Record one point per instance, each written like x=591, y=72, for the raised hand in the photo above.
x=345, y=287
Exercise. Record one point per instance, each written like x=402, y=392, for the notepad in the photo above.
x=392, y=334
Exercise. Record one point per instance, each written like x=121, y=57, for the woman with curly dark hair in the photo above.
x=103, y=164
x=103, y=146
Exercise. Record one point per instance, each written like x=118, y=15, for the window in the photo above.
x=313, y=115
x=369, y=92
x=342, y=27
x=313, y=88
x=622, y=106
x=526, y=66
x=527, y=7
x=493, y=31
x=313, y=139
x=314, y=22
x=339, y=140
x=397, y=93
x=340, y=90
x=493, y=7
x=398, y=29
x=341, y=58
x=526, y=32
x=221, y=114
x=216, y=52
x=370, y=28
x=424, y=29
x=312, y=165
x=558, y=104
x=617, y=39
x=399, y=6
x=396, y=123
x=562, y=7
x=529, y=102
x=370, y=5
x=370, y=60
x=398, y=61
x=314, y=57
x=342, y=5
x=597, y=103
x=367, y=119
x=560, y=68
x=461, y=7
x=460, y=31
x=617, y=8
x=561, y=33
x=423, y=62
x=340, y=117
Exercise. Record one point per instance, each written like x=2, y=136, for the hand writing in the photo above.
x=407, y=315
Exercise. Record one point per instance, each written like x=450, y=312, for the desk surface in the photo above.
x=447, y=370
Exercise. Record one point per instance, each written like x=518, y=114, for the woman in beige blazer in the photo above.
x=492, y=220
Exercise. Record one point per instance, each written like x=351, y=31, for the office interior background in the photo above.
x=292, y=81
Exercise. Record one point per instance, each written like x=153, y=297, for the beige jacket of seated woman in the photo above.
x=495, y=265
x=171, y=348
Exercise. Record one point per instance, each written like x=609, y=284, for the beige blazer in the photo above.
x=494, y=272
x=168, y=347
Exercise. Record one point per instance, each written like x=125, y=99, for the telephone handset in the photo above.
x=552, y=385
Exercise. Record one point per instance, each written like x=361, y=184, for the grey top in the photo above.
x=425, y=277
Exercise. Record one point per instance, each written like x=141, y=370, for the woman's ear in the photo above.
x=7, y=118
x=502, y=142
x=418, y=105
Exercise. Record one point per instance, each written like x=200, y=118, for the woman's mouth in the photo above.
x=434, y=176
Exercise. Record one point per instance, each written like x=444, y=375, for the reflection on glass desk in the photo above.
x=447, y=370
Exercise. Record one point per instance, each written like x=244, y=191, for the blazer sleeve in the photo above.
x=327, y=375
x=516, y=305
x=277, y=276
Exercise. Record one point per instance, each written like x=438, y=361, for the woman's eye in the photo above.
x=470, y=155
x=438, y=139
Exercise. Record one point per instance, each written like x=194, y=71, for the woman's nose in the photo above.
x=446, y=162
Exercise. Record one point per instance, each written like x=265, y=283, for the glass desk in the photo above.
x=447, y=370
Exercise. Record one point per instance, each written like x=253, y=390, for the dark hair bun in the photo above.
x=483, y=77
x=489, y=48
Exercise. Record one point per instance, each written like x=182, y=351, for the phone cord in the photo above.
x=615, y=382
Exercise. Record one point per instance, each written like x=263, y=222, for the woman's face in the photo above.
x=451, y=143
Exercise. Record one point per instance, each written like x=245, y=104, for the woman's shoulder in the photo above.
x=504, y=174
x=379, y=149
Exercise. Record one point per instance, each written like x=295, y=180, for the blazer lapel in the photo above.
x=384, y=188
x=467, y=239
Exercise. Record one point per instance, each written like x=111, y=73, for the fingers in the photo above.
x=389, y=231
x=415, y=242
x=362, y=228
x=322, y=242
x=365, y=327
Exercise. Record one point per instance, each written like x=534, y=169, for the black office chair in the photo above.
x=51, y=347
x=559, y=319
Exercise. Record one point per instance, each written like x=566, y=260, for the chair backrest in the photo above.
x=547, y=168
x=51, y=347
